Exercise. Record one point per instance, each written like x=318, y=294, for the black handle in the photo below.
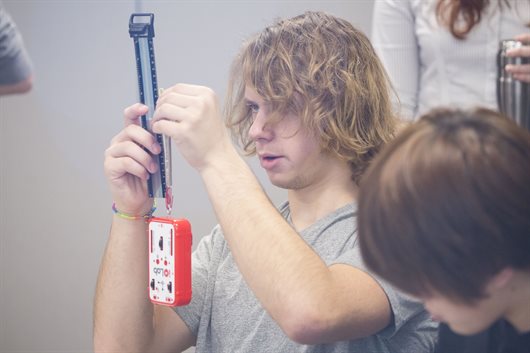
x=141, y=28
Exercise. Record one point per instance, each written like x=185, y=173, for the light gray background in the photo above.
x=55, y=209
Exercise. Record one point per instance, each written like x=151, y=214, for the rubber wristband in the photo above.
x=120, y=214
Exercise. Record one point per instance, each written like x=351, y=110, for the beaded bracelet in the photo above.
x=147, y=216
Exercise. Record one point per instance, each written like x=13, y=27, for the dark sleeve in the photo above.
x=450, y=342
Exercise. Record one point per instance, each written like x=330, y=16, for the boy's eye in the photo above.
x=253, y=107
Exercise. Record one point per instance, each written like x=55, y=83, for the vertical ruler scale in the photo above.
x=141, y=29
x=169, y=239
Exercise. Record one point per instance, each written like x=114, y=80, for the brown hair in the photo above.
x=326, y=71
x=449, y=12
x=446, y=205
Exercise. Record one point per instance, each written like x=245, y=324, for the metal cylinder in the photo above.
x=513, y=96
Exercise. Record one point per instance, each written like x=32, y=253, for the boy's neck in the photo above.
x=519, y=312
x=314, y=202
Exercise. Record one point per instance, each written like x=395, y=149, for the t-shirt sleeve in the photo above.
x=15, y=64
x=201, y=266
x=404, y=308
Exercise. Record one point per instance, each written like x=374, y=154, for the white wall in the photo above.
x=55, y=209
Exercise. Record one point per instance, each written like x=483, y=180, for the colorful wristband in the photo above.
x=147, y=216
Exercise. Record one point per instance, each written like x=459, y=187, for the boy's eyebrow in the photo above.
x=249, y=101
x=264, y=105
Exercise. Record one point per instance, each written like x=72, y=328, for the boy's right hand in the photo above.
x=127, y=164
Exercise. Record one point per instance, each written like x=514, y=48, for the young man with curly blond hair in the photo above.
x=309, y=97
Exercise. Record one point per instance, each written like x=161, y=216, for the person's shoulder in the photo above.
x=342, y=220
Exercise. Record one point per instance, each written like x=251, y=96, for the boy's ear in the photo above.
x=500, y=280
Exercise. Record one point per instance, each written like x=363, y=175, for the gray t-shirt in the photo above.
x=15, y=65
x=225, y=315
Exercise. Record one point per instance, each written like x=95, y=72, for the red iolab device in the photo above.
x=169, y=261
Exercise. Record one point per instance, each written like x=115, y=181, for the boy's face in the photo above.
x=289, y=153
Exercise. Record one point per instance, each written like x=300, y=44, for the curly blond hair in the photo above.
x=324, y=70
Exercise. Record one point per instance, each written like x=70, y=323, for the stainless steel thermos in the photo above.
x=513, y=96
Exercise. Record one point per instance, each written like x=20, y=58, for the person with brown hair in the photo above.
x=444, y=214
x=443, y=52
x=310, y=98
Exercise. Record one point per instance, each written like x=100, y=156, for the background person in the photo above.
x=443, y=52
